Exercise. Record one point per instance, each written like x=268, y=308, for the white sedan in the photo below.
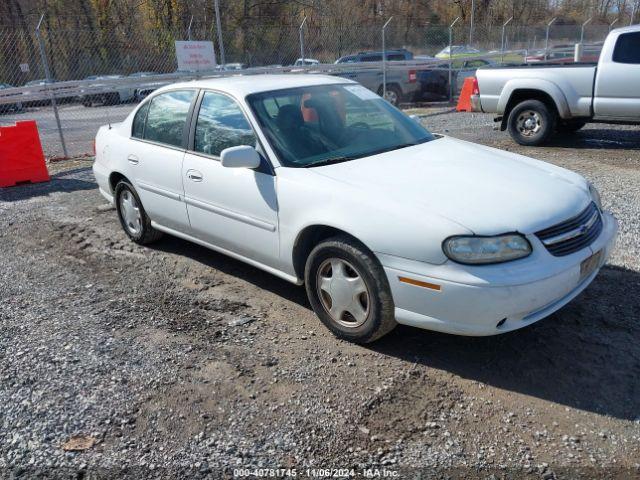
x=321, y=182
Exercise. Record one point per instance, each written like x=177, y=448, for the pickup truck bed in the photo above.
x=534, y=101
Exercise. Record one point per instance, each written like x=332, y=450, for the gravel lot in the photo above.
x=175, y=361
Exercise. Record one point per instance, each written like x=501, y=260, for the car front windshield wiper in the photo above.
x=333, y=160
x=395, y=147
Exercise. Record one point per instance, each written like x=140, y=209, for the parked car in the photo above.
x=468, y=68
x=306, y=62
x=458, y=51
x=565, y=54
x=401, y=85
x=391, y=56
x=10, y=107
x=62, y=93
x=140, y=93
x=234, y=66
x=108, y=94
x=534, y=101
x=319, y=181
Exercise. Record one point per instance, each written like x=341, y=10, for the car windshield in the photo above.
x=318, y=125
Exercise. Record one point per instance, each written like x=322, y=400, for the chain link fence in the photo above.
x=73, y=81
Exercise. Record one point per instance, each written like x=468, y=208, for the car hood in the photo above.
x=488, y=191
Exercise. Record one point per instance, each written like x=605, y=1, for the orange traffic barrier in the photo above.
x=464, y=101
x=21, y=156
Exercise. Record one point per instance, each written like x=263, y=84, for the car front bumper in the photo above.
x=488, y=304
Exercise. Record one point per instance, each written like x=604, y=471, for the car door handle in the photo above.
x=194, y=175
x=133, y=160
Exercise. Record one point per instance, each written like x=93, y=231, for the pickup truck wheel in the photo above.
x=393, y=95
x=531, y=123
x=570, y=126
x=349, y=291
x=134, y=220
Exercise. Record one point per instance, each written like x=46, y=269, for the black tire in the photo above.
x=570, y=126
x=380, y=318
x=394, y=94
x=542, y=121
x=146, y=233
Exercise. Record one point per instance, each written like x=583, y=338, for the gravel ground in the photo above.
x=174, y=361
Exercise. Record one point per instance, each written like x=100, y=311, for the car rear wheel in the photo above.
x=531, y=123
x=134, y=220
x=349, y=291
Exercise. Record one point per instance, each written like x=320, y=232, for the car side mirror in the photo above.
x=242, y=156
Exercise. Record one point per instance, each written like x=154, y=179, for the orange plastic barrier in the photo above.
x=21, y=156
x=464, y=101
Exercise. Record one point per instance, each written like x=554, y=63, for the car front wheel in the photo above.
x=134, y=220
x=531, y=123
x=349, y=291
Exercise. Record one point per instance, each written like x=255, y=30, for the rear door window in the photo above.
x=137, y=130
x=167, y=117
x=627, y=48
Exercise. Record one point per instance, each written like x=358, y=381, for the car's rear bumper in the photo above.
x=101, y=173
x=436, y=303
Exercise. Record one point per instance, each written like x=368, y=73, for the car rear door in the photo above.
x=617, y=91
x=232, y=208
x=155, y=154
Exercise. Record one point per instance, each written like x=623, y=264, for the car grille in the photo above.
x=574, y=234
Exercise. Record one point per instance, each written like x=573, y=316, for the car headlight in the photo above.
x=595, y=196
x=475, y=250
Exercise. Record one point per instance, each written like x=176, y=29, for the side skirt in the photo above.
x=261, y=266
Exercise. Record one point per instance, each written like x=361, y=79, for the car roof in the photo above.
x=242, y=85
x=627, y=29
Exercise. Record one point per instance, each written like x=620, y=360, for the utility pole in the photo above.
x=219, y=28
x=384, y=60
x=301, y=32
x=450, y=58
x=47, y=72
x=546, y=41
x=473, y=10
x=504, y=27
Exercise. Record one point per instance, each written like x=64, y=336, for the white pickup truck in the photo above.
x=534, y=101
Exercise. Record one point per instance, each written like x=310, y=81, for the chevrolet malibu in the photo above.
x=319, y=181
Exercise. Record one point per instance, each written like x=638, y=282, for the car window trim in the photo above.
x=617, y=44
x=150, y=99
x=145, y=104
x=267, y=169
